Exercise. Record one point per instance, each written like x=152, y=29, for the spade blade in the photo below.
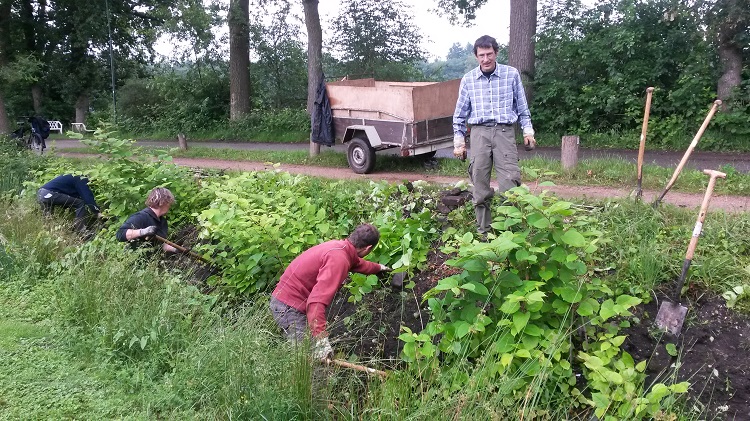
x=670, y=317
x=397, y=280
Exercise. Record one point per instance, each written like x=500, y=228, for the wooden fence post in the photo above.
x=182, y=141
x=569, y=152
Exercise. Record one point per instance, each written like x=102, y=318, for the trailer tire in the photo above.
x=361, y=156
x=428, y=155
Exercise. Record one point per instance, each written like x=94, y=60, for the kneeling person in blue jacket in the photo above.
x=70, y=191
x=152, y=220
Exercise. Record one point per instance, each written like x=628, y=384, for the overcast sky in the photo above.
x=492, y=19
x=438, y=34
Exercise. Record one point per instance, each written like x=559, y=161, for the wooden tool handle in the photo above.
x=697, y=137
x=183, y=249
x=698, y=228
x=704, y=209
x=357, y=367
x=644, y=130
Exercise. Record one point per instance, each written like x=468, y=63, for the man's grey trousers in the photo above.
x=492, y=146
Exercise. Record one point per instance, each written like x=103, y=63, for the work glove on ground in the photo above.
x=322, y=349
x=148, y=231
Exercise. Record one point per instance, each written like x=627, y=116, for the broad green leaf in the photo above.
x=406, y=337
x=559, y=254
x=536, y=297
x=506, y=359
x=658, y=391
x=585, y=309
x=569, y=294
x=573, y=238
x=600, y=400
x=546, y=274
x=628, y=301
x=538, y=220
x=475, y=265
x=681, y=387
x=523, y=353
x=520, y=319
x=672, y=349
x=607, y=310
x=462, y=328
x=476, y=287
x=447, y=283
x=618, y=340
x=533, y=330
x=613, y=376
x=510, y=307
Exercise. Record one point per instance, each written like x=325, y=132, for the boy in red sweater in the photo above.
x=312, y=279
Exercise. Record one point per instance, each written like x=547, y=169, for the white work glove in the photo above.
x=384, y=268
x=322, y=349
x=529, y=143
x=459, y=146
x=145, y=232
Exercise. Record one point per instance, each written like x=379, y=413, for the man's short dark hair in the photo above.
x=486, y=41
x=364, y=235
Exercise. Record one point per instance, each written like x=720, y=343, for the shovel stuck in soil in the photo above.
x=671, y=316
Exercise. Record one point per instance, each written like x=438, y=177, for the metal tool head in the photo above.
x=670, y=317
x=397, y=280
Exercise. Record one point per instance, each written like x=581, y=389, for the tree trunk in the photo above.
x=82, y=107
x=521, y=42
x=730, y=59
x=4, y=123
x=36, y=98
x=182, y=141
x=239, y=59
x=314, y=58
x=5, y=8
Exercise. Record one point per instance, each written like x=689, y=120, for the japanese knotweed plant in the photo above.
x=121, y=182
x=526, y=311
x=404, y=244
x=259, y=222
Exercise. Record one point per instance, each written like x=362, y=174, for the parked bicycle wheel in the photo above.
x=36, y=143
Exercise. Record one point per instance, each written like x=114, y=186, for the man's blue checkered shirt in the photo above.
x=499, y=99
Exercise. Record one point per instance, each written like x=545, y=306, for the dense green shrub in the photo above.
x=528, y=311
x=259, y=222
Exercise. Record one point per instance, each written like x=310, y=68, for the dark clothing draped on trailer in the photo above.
x=321, y=117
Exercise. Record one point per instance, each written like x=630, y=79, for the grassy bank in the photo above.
x=89, y=330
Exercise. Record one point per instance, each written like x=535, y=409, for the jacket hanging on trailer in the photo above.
x=322, y=117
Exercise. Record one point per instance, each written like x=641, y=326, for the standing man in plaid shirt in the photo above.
x=491, y=99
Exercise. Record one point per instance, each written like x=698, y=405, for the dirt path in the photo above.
x=727, y=203
x=669, y=159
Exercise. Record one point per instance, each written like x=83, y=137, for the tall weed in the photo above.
x=127, y=305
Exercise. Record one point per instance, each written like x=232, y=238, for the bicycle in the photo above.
x=35, y=126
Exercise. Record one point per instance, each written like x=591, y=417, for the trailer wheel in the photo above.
x=361, y=156
x=428, y=155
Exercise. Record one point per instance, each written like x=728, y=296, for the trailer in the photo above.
x=371, y=115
